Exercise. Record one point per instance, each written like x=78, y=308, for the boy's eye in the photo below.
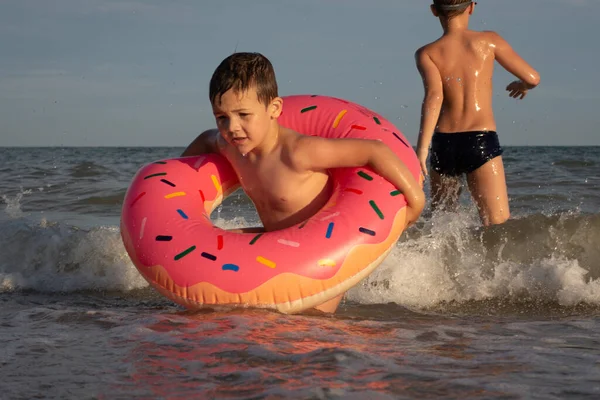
x=244, y=114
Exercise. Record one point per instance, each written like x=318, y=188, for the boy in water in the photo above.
x=283, y=172
x=457, y=74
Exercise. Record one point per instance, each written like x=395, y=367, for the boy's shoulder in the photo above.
x=292, y=140
x=425, y=54
x=491, y=37
x=426, y=48
x=440, y=42
x=489, y=34
x=422, y=54
x=295, y=147
x=433, y=49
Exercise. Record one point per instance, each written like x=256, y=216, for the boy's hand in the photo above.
x=205, y=143
x=517, y=89
x=414, y=208
x=422, y=156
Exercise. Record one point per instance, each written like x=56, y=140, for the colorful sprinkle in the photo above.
x=176, y=194
x=364, y=175
x=209, y=256
x=216, y=183
x=366, y=231
x=395, y=193
x=266, y=262
x=326, y=262
x=339, y=117
x=330, y=216
x=167, y=182
x=308, y=109
x=143, y=227
x=183, y=215
x=255, y=238
x=160, y=162
x=161, y=238
x=139, y=196
x=329, y=230
x=313, y=95
x=288, y=243
x=219, y=242
x=358, y=127
x=377, y=121
x=155, y=175
x=202, y=196
x=400, y=139
x=351, y=190
x=184, y=253
x=377, y=210
x=230, y=267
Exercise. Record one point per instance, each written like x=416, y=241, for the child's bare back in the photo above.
x=457, y=118
x=465, y=61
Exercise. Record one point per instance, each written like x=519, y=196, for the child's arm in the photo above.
x=208, y=142
x=432, y=104
x=205, y=143
x=513, y=63
x=314, y=153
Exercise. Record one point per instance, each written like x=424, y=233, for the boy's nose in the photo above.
x=234, y=125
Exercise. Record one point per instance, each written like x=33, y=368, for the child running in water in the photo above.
x=457, y=119
x=283, y=172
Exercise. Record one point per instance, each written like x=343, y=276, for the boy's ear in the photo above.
x=434, y=10
x=471, y=8
x=276, y=107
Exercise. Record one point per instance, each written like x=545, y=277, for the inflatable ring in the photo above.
x=168, y=234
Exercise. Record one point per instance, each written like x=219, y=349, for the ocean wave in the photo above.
x=553, y=259
x=54, y=257
x=446, y=259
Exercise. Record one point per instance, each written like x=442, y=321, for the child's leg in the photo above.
x=488, y=188
x=445, y=191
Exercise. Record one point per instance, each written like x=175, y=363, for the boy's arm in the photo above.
x=432, y=104
x=314, y=153
x=208, y=142
x=513, y=63
x=205, y=143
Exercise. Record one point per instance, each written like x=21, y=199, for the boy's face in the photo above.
x=243, y=120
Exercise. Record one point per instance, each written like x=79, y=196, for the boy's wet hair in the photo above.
x=451, y=8
x=242, y=71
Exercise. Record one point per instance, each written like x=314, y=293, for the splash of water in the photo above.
x=452, y=260
x=13, y=205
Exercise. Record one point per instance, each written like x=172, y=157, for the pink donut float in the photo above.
x=167, y=232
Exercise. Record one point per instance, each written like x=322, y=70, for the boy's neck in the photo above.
x=456, y=24
x=270, y=142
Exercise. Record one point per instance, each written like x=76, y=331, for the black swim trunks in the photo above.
x=463, y=152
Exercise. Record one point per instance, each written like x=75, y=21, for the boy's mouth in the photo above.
x=239, y=140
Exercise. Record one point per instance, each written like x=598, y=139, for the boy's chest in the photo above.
x=273, y=188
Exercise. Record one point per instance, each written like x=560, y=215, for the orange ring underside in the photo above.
x=288, y=292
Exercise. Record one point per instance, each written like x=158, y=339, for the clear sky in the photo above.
x=135, y=73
